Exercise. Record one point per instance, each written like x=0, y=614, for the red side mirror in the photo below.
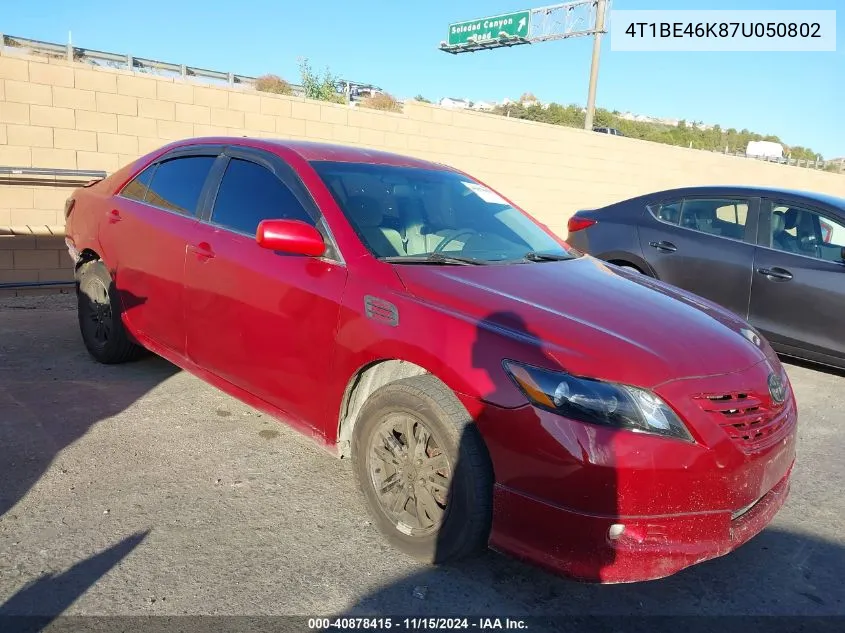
x=290, y=236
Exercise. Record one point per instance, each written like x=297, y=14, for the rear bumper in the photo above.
x=580, y=545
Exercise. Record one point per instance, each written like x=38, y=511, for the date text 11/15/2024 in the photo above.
x=415, y=624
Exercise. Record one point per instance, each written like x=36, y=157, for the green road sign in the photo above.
x=489, y=29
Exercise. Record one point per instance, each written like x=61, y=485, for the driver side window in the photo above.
x=250, y=193
x=798, y=230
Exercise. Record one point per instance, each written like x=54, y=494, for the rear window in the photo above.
x=177, y=184
x=136, y=189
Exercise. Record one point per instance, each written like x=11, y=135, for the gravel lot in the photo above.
x=139, y=490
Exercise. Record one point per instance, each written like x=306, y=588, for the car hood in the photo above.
x=595, y=319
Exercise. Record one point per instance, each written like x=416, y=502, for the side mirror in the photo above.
x=842, y=254
x=290, y=236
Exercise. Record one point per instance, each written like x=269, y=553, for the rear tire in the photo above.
x=98, y=308
x=424, y=470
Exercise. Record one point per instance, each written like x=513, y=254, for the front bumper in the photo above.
x=580, y=545
x=562, y=484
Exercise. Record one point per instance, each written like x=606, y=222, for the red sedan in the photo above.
x=490, y=384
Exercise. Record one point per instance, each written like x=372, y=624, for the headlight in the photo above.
x=597, y=402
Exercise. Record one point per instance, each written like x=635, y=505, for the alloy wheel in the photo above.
x=410, y=474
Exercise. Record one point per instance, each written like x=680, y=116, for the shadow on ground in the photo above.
x=51, y=594
x=48, y=404
x=777, y=573
x=52, y=394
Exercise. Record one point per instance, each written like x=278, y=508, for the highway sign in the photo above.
x=508, y=25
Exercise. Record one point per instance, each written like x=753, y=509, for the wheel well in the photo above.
x=87, y=255
x=622, y=262
x=360, y=386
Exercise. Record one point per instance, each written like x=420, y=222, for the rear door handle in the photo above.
x=663, y=245
x=775, y=273
x=202, y=250
x=114, y=216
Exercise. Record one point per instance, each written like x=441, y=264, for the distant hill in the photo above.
x=684, y=134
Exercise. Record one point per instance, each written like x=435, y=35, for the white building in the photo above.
x=458, y=104
x=483, y=105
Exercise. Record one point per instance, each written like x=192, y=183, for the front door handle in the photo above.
x=663, y=245
x=114, y=216
x=202, y=250
x=775, y=273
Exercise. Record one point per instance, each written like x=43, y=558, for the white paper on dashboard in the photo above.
x=484, y=193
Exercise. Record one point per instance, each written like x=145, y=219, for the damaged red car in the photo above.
x=491, y=385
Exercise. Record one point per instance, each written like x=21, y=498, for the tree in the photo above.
x=421, y=99
x=274, y=84
x=382, y=101
x=685, y=134
x=603, y=118
x=323, y=88
x=527, y=97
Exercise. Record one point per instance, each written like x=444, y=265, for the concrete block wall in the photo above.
x=55, y=113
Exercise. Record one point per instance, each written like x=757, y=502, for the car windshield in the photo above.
x=405, y=214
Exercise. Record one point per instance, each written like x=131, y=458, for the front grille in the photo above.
x=748, y=419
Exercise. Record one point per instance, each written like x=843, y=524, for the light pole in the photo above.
x=601, y=7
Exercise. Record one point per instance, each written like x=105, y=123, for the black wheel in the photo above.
x=424, y=470
x=99, y=317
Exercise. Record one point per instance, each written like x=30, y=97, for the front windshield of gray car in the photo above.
x=414, y=213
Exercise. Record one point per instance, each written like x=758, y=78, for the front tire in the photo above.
x=424, y=470
x=98, y=308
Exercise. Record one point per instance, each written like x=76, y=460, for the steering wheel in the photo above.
x=456, y=233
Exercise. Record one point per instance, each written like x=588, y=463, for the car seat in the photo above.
x=414, y=231
x=705, y=219
x=782, y=240
x=806, y=240
x=790, y=219
x=781, y=223
x=699, y=217
x=366, y=213
x=669, y=213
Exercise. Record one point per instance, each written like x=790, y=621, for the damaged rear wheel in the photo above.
x=99, y=311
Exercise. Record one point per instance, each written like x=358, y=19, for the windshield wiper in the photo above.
x=434, y=258
x=532, y=256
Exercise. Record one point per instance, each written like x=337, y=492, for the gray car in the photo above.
x=775, y=257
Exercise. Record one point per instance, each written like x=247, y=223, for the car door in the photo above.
x=263, y=321
x=798, y=291
x=144, y=237
x=703, y=244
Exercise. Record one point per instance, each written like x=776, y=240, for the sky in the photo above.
x=800, y=97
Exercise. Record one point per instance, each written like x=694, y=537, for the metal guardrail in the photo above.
x=837, y=165
x=44, y=176
x=119, y=60
x=351, y=89
x=87, y=174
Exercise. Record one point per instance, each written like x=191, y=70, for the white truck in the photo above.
x=764, y=149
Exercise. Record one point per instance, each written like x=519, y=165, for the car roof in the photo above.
x=316, y=151
x=809, y=196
